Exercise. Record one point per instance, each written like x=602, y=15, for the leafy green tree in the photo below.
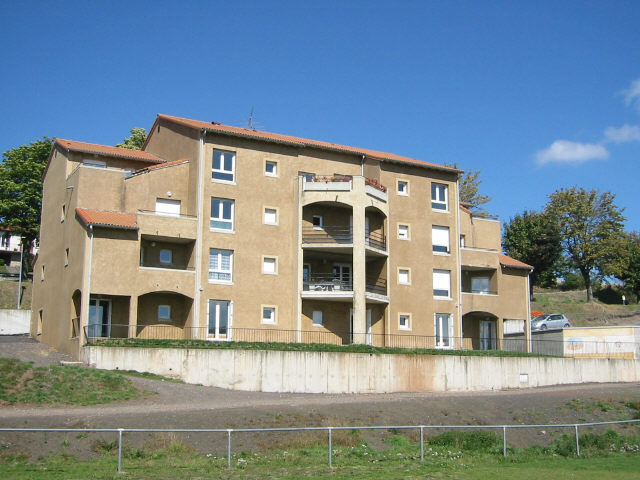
x=590, y=225
x=21, y=189
x=469, y=187
x=625, y=264
x=136, y=140
x=533, y=238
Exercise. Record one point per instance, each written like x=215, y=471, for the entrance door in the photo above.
x=487, y=335
x=99, y=318
x=342, y=277
x=220, y=319
x=368, y=335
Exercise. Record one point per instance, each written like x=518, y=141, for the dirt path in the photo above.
x=191, y=406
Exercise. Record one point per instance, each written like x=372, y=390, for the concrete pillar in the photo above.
x=133, y=316
x=359, y=275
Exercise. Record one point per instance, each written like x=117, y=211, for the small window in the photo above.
x=269, y=315
x=170, y=208
x=164, y=313
x=223, y=169
x=439, y=197
x=269, y=265
x=94, y=163
x=442, y=283
x=270, y=168
x=166, y=256
x=404, y=276
x=440, y=239
x=220, y=266
x=222, y=211
x=40, y=316
x=480, y=285
x=404, y=321
x=42, y=274
x=317, y=318
x=462, y=241
x=403, y=188
x=270, y=216
x=317, y=222
x=403, y=232
x=66, y=257
x=63, y=213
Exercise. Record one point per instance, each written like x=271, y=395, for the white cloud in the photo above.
x=564, y=151
x=632, y=94
x=625, y=133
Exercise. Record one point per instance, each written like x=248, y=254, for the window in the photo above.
x=63, y=213
x=269, y=265
x=66, y=257
x=220, y=313
x=94, y=163
x=164, y=313
x=442, y=283
x=317, y=222
x=403, y=188
x=403, y=232
x=440, y=239
x=167, y=207
x=439, y=196
x=268, y=315
x=270, y=216
x=222, y=214
x=480, y=285
x=404, y=321
x=166, y=256
x=444, y=330
x=39, y=327
x=462, y=241
x=223, y=169
x=404, y=276
x=220, y=266
x=270, y=168
x=42, y=274
x=317, y=318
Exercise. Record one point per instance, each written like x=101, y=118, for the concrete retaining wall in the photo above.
x=15, y=322
x=321, y=372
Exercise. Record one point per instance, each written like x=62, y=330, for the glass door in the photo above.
x=99, y=318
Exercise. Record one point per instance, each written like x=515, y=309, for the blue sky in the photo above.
x=537, y=95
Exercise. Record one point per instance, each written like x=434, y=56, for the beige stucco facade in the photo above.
x=243, y=235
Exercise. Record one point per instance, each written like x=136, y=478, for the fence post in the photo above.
x=120, y=450
x=229, y=449
x=422, y=443
x=504, y=440
x=577, y=441
x=330, y=448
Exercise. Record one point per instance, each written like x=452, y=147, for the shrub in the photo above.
x=475, y=440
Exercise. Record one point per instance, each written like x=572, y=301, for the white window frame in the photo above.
x=320, y=226
x=402, y=191
x=316, y=319
x=400, y=273
x=407, y=325
x=439, y=204
x=406, y=234
x=222, y=170
x=162, y=318
x=219, y=215
x=217, y=335
x=462, y=241
x=266, y=260
x=275, y=215
x=220, y=254
x=164, y=262
x=443, y=337
x=438, y=278
x=167, y=207
x=272, y=319
x=266, y=168
x=440, y=231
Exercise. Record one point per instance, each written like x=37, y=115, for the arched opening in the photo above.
x=481, y=330
x=164, y=315
x=76, y=313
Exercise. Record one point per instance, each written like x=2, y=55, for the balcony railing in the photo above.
x=376, y=285
x=479, y=292
x=375, y=184
x=376, y=240
x=327, y=234
x=326, y=283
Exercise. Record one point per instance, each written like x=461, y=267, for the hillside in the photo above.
x=582, y=314
x=9, y=293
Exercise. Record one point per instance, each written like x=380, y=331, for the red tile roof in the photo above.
x=108, y=151
x=102, y=218
x=465, y=209
x=298, y=142
x=508, y=261
x=162, y=165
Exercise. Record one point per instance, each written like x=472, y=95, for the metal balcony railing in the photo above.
x=376, y=240
x=376, y=285
x=327, y=234
x=327, y=283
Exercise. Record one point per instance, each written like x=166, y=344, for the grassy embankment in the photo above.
x=452, y=455
x=9, y=293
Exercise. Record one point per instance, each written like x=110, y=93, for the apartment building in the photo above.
x=223, y=233
x=11, y=249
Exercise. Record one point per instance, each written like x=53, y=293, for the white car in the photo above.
x=552, y=321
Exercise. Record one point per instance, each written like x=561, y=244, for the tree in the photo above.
x=590, y=225
x=534, y=238
x=21, y=189
x=625, y=264
x=469, y=190
x=136, y=140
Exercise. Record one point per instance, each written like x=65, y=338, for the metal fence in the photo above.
x=230, y=431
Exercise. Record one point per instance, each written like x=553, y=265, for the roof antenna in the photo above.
x=250, y=123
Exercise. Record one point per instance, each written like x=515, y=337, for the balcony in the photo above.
x=376, y=244
x=344, y=183
x=480, y=302
x=167, y=226
x=327, y=287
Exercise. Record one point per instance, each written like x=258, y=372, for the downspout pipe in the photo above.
x=362, y=165
x=457, y=240
x=198, y=246
x=87, y=296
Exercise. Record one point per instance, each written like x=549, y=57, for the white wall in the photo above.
x=321, y=372
x=14, y=322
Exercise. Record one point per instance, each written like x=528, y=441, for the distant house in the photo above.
x=10, y=249
x=222, y=233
